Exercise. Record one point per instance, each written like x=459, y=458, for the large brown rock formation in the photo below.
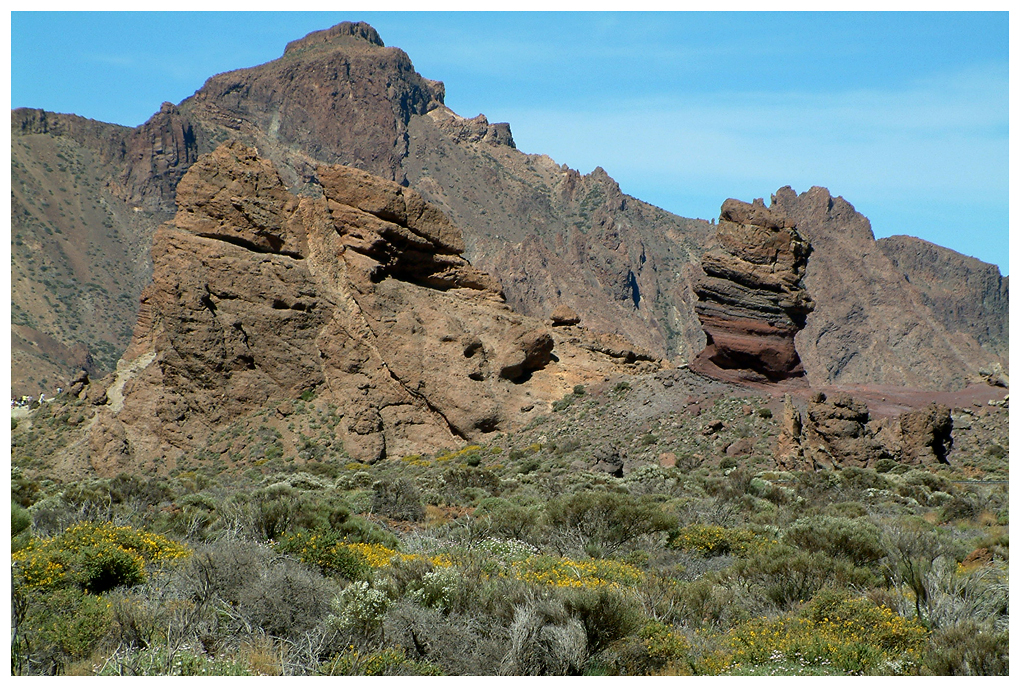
x=751, y=301
x=358, y=294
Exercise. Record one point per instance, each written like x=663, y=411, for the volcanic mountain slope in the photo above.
x=358, y=297
x=871, y=325
x=550, y=235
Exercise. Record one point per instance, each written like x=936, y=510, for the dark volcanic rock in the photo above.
x=965, y=294
x=870, y=324
x=751, y=302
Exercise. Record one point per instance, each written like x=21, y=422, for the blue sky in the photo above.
x=903, y=114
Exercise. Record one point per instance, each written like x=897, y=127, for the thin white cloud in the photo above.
x=947, y=135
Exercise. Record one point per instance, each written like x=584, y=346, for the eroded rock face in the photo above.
x=838, y=431
x=751, y=301
x=359, y=295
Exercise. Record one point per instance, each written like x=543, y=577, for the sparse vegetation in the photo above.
x=458, y=563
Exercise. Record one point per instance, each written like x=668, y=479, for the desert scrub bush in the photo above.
x=857, y=540
x=399, y=500
x=603, y=522
x=545, y=640
x=912, y=547
x=607, y=613
x=969, y=648
x=457, y=481
x=436, y=589
x=715, y=540
x=161, y=661
x=835, y=635
x=497, y=517
x=857, y=479
x=96, y=557
x=655, y=649
x=54, y=628
x=359, y=609
x=563, y=403
x=21, y=520
x=469, y=643
x=956, y=595
x=286, y=600
x=567, y=573
x=373, y=663
x=784, y=575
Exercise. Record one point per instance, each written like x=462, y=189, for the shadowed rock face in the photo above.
x=751, y=301
x=358, y=294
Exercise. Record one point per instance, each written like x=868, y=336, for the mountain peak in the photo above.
x=346, y=29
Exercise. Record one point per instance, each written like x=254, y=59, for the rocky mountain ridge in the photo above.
x=550, y=235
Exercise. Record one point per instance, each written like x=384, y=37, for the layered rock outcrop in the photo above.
x=358, y=296
x=751, y=301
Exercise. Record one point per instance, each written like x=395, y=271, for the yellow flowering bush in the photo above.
x=836, y=635
x=563, y=572
x=328, y=552
x=714, y=540
x=95, y=556
x=385, y=662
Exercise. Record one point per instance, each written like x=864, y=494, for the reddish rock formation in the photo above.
x=751, y=302
x=157, y=154
x=358, y=294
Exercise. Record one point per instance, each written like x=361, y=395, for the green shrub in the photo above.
x=966, y=649
x=399, y=500
x=607, y=614
x=563, y=403
x=606, y=520
x=382, y=662
x=21, y=520
x=62, y=626
x=659, y=650
x=785, y=575
x=502, y=518
x=857, y=540
x=579, y=390
x=324, y=550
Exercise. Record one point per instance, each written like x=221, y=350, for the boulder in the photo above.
x=564, y=316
